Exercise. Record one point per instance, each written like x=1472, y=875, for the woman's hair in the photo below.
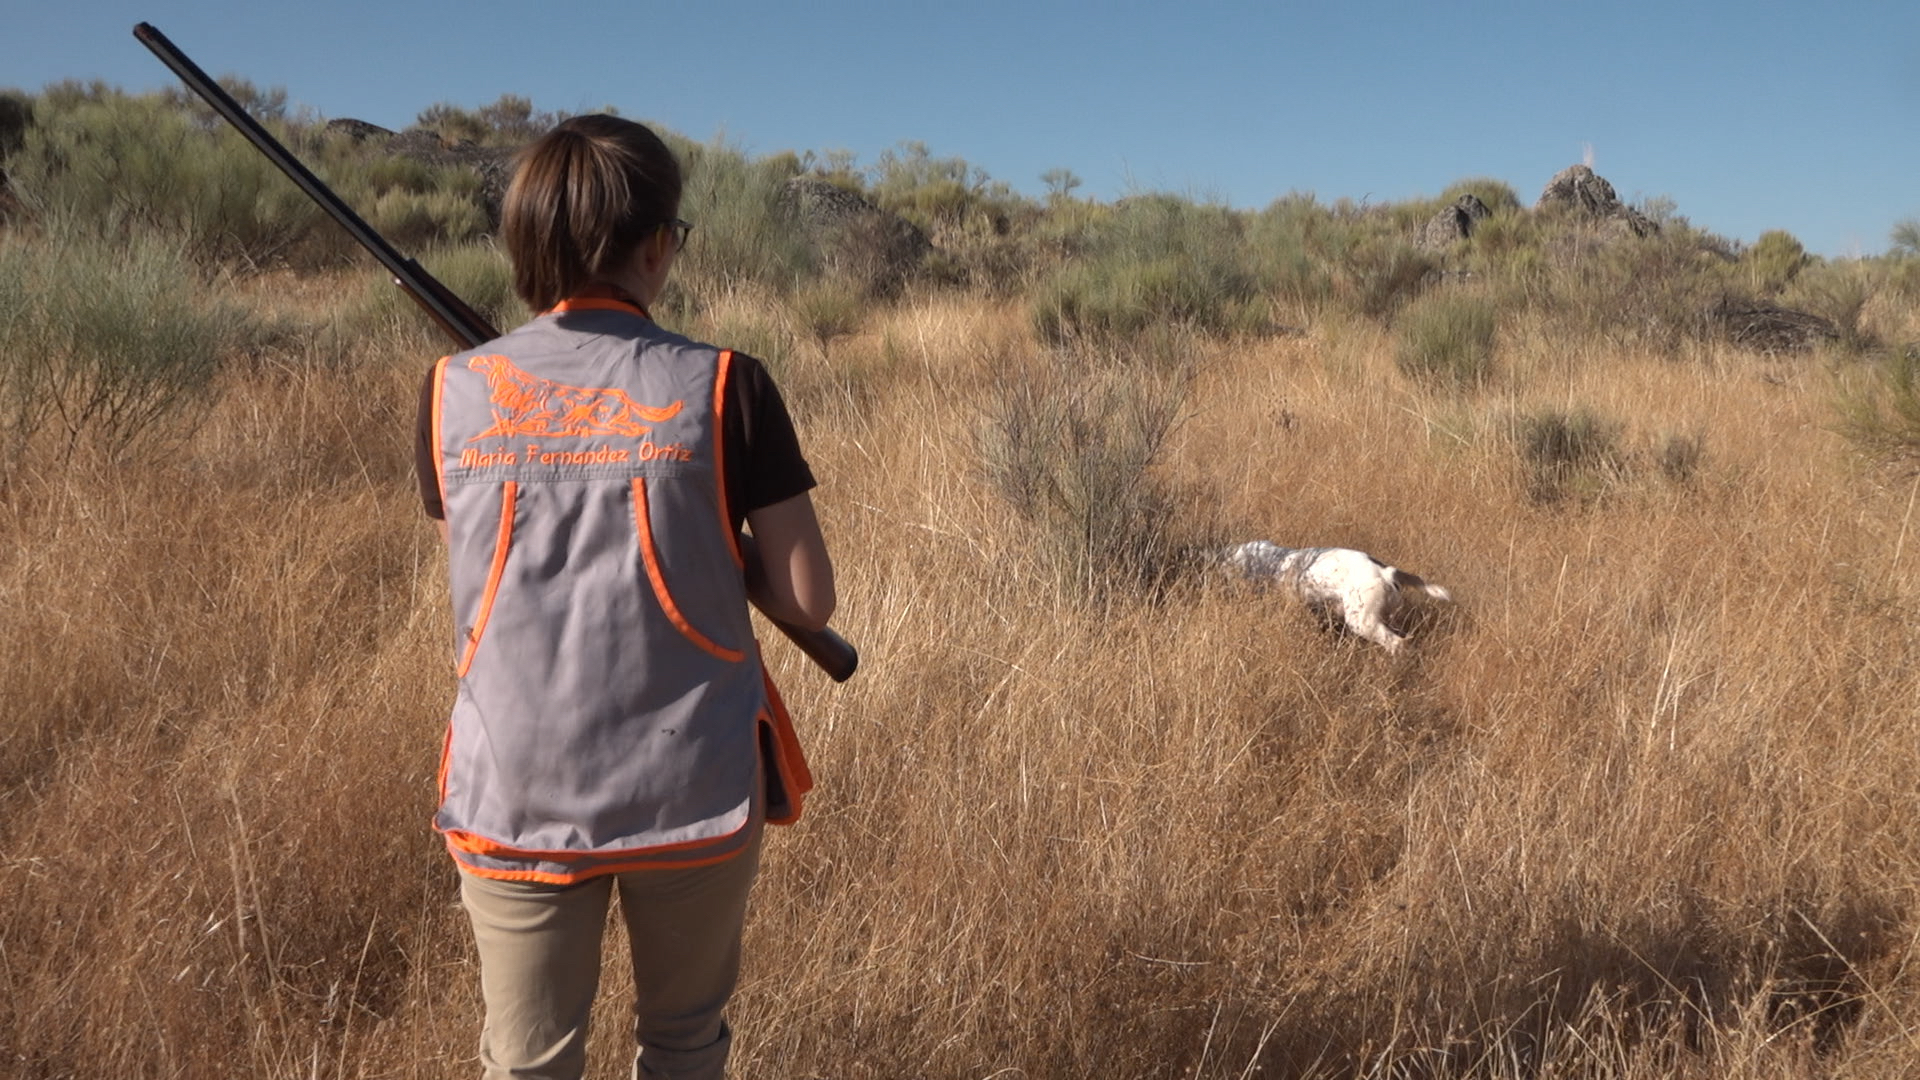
x=583, y=198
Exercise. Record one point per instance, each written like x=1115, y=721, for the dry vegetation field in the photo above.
x=1646, y=803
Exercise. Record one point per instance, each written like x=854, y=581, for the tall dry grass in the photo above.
x=1642, y=805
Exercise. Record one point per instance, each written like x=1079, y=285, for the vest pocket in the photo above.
x=643, y=527
x=509, y=491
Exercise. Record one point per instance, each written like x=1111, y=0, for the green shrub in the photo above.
x=1657, y=292
x=1774, y=260
x=1281, y=251
x=1497, y=195
x=1155, y=258
x=828, y=309
x=100, y=341
x=104, y=164
x=509, y=121
x=1678, y=455
x=1878, y=405
x=1380, y=274
x=1446, y=339
x=480, y=274
x=414, y=220
x=939, y=193
x=1073, y=449
x=477, y=273
x=740, y=235
x=1570, y=452
x=767, y=340
x=1904, y=241
x=1839, y=292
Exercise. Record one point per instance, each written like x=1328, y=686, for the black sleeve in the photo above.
x=424, y=451
x=764, y=462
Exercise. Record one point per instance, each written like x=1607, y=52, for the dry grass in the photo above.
x=1644, y=805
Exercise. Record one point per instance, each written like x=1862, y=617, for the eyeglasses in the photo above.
x=680, y=230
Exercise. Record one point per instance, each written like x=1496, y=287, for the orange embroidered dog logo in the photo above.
x=526, y=404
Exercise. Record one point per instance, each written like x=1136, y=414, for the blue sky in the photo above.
x=1749, y=116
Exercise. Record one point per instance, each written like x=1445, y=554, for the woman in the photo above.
x=613, y=728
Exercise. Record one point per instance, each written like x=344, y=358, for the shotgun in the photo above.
x=833, y=653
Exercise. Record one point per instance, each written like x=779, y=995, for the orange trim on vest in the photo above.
x=439, y=456
x=508, y=493
x=720, y=454
x=446, y=760
x=597, y=870
x=597, y=303
x=643, y=526
x=795, y=778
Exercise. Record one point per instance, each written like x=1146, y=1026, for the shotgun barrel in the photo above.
x=833, y=653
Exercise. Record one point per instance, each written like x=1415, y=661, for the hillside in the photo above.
x=1643, y=804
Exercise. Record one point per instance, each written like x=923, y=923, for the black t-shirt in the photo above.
x=763, y=460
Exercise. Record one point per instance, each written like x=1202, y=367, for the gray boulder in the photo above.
x=1580, y=192
x=1770, y=328
x=493, y=164
x=1453, y=223
x=357, y=130
x=852, y=236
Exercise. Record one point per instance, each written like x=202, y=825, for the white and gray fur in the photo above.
x=1353, y=585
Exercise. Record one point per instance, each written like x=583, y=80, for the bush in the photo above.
x=509, y=121
x=100, y=341
x=936, y=193
x=1567, y=452
x=1657, y=292
x=100, y=163
x=477, y=273
x=411, y=221
x=1679, y=455
x=1073, y=449
x=1904, y=240
x=1774, y=260
x=827, y=310
x=1497, y=195
x=1446, y=339
x=1838, y=292
x=741, y=235
x=1156, y=258
x=1281, y=250
x=1878, y=405
x=1380, y=274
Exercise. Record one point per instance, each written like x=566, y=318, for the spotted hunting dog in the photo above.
x=1360, y=589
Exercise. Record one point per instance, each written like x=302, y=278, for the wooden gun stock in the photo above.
x=469, y=328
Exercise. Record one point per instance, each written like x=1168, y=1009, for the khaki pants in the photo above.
x=539, y=951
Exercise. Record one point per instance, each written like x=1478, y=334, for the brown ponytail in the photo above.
x=584, y=196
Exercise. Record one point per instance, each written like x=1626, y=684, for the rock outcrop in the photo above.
x=1453, y=223
x=357, y=130
x=1579, y=191
x=852, y=236
x=493, y=164
x=1769, y=328
x=16, y=116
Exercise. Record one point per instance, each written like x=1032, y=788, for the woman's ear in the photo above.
x=654, y=250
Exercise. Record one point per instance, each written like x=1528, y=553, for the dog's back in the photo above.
x=1360, y=589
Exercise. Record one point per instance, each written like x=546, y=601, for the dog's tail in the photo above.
x=1404, y=580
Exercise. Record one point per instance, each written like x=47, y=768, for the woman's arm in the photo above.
x=789, y=574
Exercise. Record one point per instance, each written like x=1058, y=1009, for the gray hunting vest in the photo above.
x=609, y=685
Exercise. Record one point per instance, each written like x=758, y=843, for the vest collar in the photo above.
x=600, y=297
